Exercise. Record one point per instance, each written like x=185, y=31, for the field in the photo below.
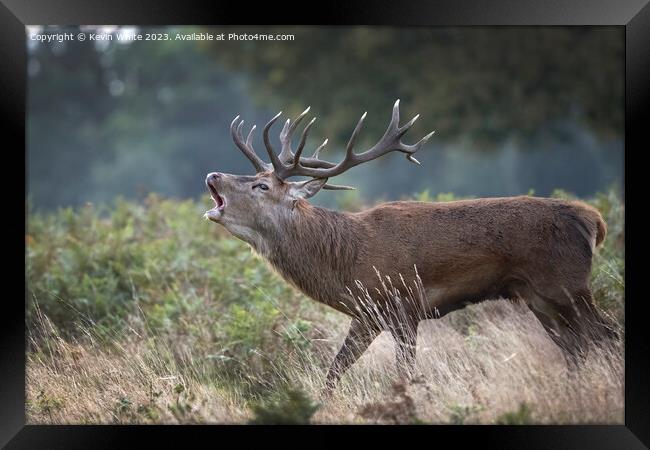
x=145, y=313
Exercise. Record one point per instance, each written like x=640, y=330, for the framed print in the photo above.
x=415, y=217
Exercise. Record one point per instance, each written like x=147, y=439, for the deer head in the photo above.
x=250, y=205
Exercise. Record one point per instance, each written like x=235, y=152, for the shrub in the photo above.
x=461, y=414
x=293, y=407
x=521, y=416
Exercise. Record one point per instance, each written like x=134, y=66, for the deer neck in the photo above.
x=315, y=249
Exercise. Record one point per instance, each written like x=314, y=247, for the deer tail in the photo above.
x=601, y=230
x=589, y=222
x=593, y=221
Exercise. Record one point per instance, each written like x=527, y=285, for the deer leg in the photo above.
x=560, y=324
x=593, y=323
x=405, y=347
x=357, y=341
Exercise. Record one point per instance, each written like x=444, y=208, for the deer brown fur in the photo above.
x=537, y=250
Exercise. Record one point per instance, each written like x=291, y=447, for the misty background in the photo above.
x=515, y=109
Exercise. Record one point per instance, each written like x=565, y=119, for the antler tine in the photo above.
x=298, y=119
x=249, y=139
x=286, y=154
x=301, y=145
x=349, y=154
x=394, y=120
x=239, y=128
x=275, y=161
x=406, y=127
x=338, y=187
x=318, y=149
x=415, y=147
x=233, y=129
x=246, y=147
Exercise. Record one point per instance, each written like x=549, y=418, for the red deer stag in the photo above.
x=535, y=249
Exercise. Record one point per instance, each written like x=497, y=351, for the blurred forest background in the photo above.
x=514, y=109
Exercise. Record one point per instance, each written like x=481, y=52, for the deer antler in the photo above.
x=287, y=156
x=291, y=159
x=247, y=146
x=390, y=141
x=288, y=164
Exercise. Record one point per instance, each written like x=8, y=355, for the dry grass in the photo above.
x=479, y=365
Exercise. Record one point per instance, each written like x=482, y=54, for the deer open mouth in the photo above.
x=219, y=203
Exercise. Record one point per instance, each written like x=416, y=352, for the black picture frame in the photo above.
x=633, y=15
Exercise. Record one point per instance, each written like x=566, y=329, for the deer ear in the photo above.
x=306, y=189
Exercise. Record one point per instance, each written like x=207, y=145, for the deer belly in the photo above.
x=466, y=289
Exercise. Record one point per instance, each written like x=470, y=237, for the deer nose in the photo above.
x=214, y=176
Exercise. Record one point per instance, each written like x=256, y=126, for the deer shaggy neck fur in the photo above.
x=316, y=250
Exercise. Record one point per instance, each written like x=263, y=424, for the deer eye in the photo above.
x=262, y=186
